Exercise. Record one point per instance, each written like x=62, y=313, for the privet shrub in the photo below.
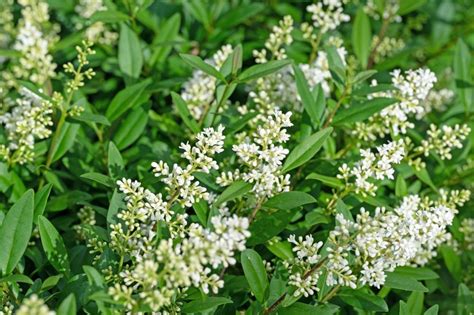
x=236, y=157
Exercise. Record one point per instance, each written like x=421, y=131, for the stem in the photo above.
x=218, y=105
x=331, y=294
x=380, y=36
x=255, y=210
x=333, y=113
x=275, y=304
x=314, y=49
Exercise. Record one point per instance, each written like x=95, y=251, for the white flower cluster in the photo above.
x=96, y=32
x=279, y=37
x=437, y=100
x=412, y=89
x=362, y=252
x=373, y=166
x=390, y=10
x=305, y=281
x=467, y=228
x=35, y=63
x=29, y=119
x=443, y=140
x=318, y=72
x=180, y=181
x=33, y=305
x=199, y=91
x=280, y=88
x=388, y=47
x=328, y=14
x=261, y=156
x=173, y=268
x=408, y=235
x=155, y=269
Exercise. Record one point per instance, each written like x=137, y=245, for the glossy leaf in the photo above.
x=15, y=232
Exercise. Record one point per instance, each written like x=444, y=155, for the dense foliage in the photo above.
x=236, y=157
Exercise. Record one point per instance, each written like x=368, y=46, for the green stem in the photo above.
x=221, y=102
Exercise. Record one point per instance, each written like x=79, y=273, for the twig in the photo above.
x=380, y=36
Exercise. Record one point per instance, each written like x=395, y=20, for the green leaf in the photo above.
x=424, y=176
x=327, y=180
x=237, y=59
x=363, y=301
x=401, y=188
x=336, y=65
x=15, y=232
x=92, y=118
x=304, y=151
x=235, y=190
x=364, y=75
x=407, y=6
x=452, y=262
x=240, y=123
x=99, y=178
x=115, y=162
x=465, y=301
x=289, y=200
x=462, y=74
x=418, y=273
x=51, y=282
x=68, y=306
x=17, y=279
x=116, y=203
x=197, y=63
x=261, y=70
x=165, y=38
x=202, y=209
x=362, y=111
x=66, y=140
x=255, y=273
x=395, y=280
x=130, y=55
x=131, y=128
x=320, y=101
x=282, y=249
x=267, y=226
x=361, y=37
x=415, y=303
x=127, y=98
x=239, y=14
x=204, y=305
x=183, y=111
x=109, y=16
x=432, y=310
x=93, y=276
x=306, y=309
x=41, y=199
x=199, y=11
x=53, y=245
x=306, y=96
x=403, y=309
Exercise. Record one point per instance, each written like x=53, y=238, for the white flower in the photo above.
x=34, y=306
x=30, y=119
x=328, y=14
x=198, y=92
x=262, y=155
x=374, y=166
x=180, y=181
x=442, y=141
x=412, y=90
